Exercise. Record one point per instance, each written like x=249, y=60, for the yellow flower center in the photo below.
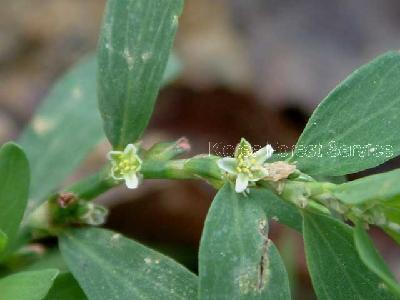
x=125, y=165
x=245, y=162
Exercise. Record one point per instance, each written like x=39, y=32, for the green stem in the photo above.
x=93, y=185
x=203, y=167
x=172, y=169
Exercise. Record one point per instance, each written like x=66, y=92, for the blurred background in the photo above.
x=249, y=68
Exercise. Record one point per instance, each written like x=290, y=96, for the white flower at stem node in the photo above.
x=125, y=165
x=247, y=166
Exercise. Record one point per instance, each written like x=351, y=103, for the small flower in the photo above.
x=246, y=165
x=125, y=165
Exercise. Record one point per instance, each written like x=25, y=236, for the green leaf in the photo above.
x=236, y=258
x=66, y=127
x=204, y=166
x=332, y=179
x=32, y=285
x=135, y=42
x=357, y=126
x=3, y=241
x=379, y=187
x=277, y=209
x=373, y=260
x=109, y=266
x=391, y=210
x=377, y=193
x=334, y=265
x=167, y=150
x=50, y=260
x=14, y=187
x=65, y=287
x=64, y=130
x=31, y=260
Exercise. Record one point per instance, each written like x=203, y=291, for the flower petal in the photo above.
x=263, y=154
x=112, y=155
x=228, y=164
x=259, y=174
x=115, y=176
x=130, y=149
x=242, y=181
x=131, y=180
x=243, y=148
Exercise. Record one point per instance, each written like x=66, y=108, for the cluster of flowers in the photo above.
x=245, y=168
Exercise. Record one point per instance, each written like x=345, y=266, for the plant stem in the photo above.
x=93, y=185
x=202, y=167
x=172, y=169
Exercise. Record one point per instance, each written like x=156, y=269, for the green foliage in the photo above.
x=277, y=209
x=65, y=287
x=373, y=260
x=14, y=186
x=380, y=187
x=356, y=127
x=56, y=143
x=63, y=131
x=3, y=241
x=360, y=117
x=335, y=268
x=50, y=260
x=237, y=260
x=205, y=167
x=391, y=211
x=167, y=150
x=379, y=195
x=110, y=266
x=32, y=285
x=135, y=42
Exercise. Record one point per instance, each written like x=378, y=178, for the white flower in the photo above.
x=125, y=165
x=246, y=165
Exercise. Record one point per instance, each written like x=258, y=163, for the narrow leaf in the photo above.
x=236, y=258
x=109, y=266
x=378, y=193
x=65, y=287
x=379, y=187
x=357, y=126
x=373, y=260
x=14, y=186
x=277, y=209
x=50, y=260
x=334, y=265
x=135, y=42
x=391, y=210
x=32, y=285
x=63, y=131
x=66, y=127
